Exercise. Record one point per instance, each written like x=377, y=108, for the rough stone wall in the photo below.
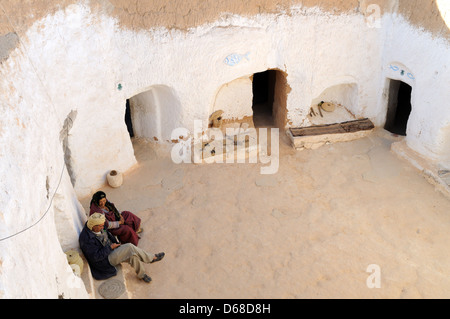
x=177, y=14
x=180, y=14
x=426, y=15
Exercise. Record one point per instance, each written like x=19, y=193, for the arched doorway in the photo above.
x=399, y=107
x=269, y=103
x=263, y=96
x=153, y=114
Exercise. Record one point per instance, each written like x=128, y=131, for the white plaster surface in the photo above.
x=235, y=99
x=428, y=59
x=74, y=61
x=344, y=94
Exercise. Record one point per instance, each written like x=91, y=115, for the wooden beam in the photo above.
x=336, y=128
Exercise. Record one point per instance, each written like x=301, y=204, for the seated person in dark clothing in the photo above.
x=103, y=252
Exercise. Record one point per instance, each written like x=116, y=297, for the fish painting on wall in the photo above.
x=234, y=58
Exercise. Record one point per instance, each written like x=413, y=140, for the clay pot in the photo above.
x=328, y=107
x=75, y=261
x=114, y=178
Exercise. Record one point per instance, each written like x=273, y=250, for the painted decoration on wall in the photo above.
x=402, y=72
x=234, y=58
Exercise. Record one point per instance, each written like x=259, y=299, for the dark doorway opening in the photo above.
x=399, y=107
x=128, y=119
x=263, y=98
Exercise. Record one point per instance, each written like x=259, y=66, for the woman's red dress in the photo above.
x=126, y=233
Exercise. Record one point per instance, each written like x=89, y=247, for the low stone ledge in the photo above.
x=313, y=137
x=431, y=171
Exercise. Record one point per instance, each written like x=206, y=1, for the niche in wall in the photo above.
x=234, y=99
x=345, y=94
x=399, y=107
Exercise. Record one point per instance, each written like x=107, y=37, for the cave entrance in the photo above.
x=399, y=107
x=269, y=99
x=263, y=91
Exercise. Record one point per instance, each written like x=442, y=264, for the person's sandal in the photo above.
x=158, y=256
x=146, y=278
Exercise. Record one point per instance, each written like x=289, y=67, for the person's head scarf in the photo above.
x=97, y=197
x=95, y=220
x=111, y=207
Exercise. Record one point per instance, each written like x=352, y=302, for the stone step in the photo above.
x=436, y=175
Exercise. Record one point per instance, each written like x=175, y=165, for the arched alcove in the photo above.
x=235, y=99
x=154, y=113
x=261, y=96
x=345, y=94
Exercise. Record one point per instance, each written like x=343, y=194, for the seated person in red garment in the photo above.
x=124, y=225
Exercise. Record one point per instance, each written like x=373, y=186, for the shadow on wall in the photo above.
x=8, y=43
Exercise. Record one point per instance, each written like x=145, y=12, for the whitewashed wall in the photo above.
x=425, y=61
x=37, y=200
x=74, y=63
x=235, y=99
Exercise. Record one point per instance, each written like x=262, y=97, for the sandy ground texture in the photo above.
x=310, y=231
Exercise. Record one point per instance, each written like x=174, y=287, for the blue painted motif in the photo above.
x=395, y=68
x=402, y=72
x=234, y=59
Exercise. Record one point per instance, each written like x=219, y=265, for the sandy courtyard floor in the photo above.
x=309, y=231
